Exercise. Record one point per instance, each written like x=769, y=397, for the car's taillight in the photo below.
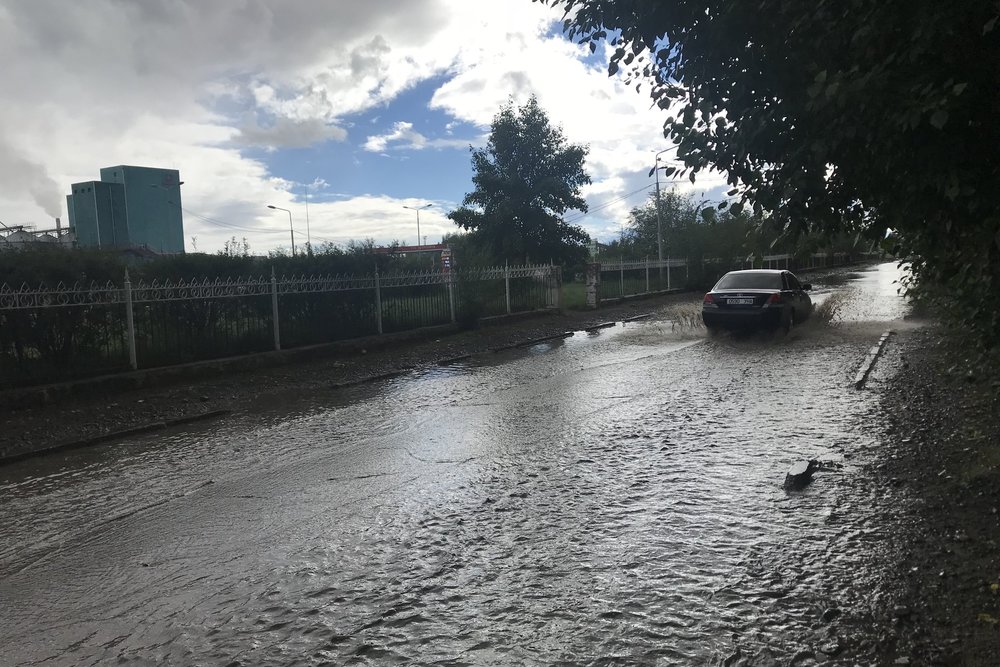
x=774, y=298
x=708, y=298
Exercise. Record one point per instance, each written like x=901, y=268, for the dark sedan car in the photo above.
x=756, y=299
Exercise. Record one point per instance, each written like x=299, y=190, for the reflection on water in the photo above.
x=873, y=296
x=613, y=496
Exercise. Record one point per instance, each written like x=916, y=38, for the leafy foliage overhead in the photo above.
x=526, y=178
x=848, y=115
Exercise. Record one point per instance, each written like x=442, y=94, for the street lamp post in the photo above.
x=291, y=230
x=309, y=242
x=659, y=221
x=418, y=209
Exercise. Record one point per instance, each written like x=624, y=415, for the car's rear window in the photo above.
x=750, y=280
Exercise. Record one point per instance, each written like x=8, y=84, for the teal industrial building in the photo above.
x=130, y=207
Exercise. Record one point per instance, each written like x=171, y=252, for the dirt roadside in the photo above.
x=98, y=413
x=939, y=424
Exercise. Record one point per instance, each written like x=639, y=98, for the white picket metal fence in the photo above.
x=160, y=323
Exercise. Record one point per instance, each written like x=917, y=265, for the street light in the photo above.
x=418, y=209
x=309, y=241
x=290, y=229
x=659, y=223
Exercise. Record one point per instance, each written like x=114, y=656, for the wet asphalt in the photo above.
x=613, y=497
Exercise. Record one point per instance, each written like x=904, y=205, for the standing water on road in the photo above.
x=612, y=497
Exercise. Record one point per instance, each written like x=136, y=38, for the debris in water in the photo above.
x=800, y=474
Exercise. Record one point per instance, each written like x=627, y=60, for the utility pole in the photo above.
x=291, y=230
x=659, y=219
x=309, y=243
x=418, y=209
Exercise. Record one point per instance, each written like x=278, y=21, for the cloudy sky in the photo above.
x=354, y=108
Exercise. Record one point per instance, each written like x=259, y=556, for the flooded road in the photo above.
x=614, y=497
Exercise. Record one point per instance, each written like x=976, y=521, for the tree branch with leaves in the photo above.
x=855, y=116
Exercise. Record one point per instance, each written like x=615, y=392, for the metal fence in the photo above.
x=711, y=269
x=622, y=279
x=68, y=332
x=815, y=260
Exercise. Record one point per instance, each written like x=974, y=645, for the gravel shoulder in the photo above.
x=940, y=458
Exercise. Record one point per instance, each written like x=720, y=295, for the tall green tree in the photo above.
x=690, y=228
x=856, y=116
x=526, y=178
x=676, y=211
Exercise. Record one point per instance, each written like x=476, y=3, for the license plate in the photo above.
x=740, y=302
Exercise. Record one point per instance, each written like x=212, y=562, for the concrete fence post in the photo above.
x=556, y=281
x=593, y=284
x=275, y=322
x=451, y=295
x=668, y=273
x=506, y=282
x=647, y=275
x=133, y=361
x=378, y=303
x=621, y=280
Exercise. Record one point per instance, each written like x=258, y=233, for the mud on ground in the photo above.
x=940, y=458
x=87, y=416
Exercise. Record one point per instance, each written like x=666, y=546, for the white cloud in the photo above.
x=369, y=216
x=286, y=133
x=402, y=136
x=191, y=85
x=401, y=133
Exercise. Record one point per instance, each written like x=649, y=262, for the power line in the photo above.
x=229, y=225
x=243, y=228
x=609, y=203
x=605, y=205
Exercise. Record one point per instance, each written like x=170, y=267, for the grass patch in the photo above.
x=574, y=296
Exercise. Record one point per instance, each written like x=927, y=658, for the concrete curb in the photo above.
x=198, y=370
x=452, y=360
x=388, y=375
x=602, y=325
x=869, y=363
x=115, y=435
x=645, y=295
x=544, y=339
x=533, y=341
